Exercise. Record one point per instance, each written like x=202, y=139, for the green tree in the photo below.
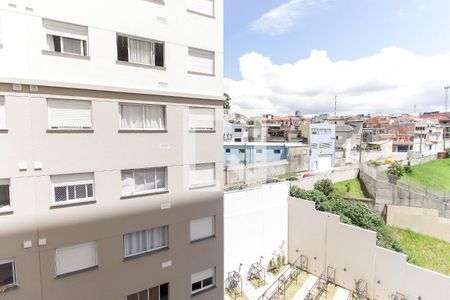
x=325, y=186
x=226, y=104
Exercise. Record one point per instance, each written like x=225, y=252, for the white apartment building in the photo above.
x=112, y=157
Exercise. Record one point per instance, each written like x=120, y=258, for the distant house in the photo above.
x=321, y=139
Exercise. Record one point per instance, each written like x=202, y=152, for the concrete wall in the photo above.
x=255, y=223
x=335, y=175
x=354, y=255
x=426, y=221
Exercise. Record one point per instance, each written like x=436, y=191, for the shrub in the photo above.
x=407, y=169
x=395, y=169
x=318, y=197
x=325, y=186
x=374, y=163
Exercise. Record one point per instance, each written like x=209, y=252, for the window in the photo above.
x=142, y=116
x=73, y=187
x=237, y=140
x=156, y=293
x=242, y=151
x=7, y=273
x=203, y=280
x=66, y=38
x=202, y=174
x=201, y=61
x=238, y=130
x=144, y=181
x=145, y=241
x=204, y=7
x=4, y=193
x=259, y=151
x=277, y=151
x=202, y=228
x=76, y=258
x=201, y=118
x=2, y=113
x=228, y=150
x=69, y=114
x=139, y=51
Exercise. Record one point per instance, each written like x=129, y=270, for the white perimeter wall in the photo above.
x=353, y=253
x=255, y=224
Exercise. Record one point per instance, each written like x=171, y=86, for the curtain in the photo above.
x=154, y=116
x=50, y=42
x=158, y=237
x=141, y=52
x=131, y=116
x=149, y=179
x=160, y=178
x=136, y=242
x=154, y=293
x=127, y=182
x=139, y=180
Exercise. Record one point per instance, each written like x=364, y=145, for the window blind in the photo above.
x=205, y=7
x=201, y=118
x=202, y=275
x=69, y=114
x=202, y=174
x=2, y=114
x=201, y=61
x=202, y=228
x=76, y=258
x=66, y=30
x=72, y=179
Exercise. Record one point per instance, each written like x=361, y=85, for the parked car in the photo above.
x=308, y=175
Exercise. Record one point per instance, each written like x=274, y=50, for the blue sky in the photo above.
x=346, y=29
x=375, y=55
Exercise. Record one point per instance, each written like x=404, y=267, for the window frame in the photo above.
x=52, y=128
x=213, y=230
x=148, y=250
x=147, y=290
x=198, y=129
x=213, y=16
x=83, y=46
x=213, y=73
x=204, y=288
x=203, y=185
x=58, y=274
x=142, y=39
x=143, y=129
x=73, y=201
x=145, y=192
x=11, y=261
x=3, y=104
x=6, y=208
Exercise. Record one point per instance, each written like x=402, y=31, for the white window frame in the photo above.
x=201, y=185
x=202, y=52
x=204, y=287
x=57, y=266
x=67, y=184
x=148, y=249
x=198, y=129
x=164, y=107
x=152, y=46
x=147, y=290
x=213, y=229
x=6, y=207
x=62, y=35
x=3, y=111
x=49, y=109
x=13, y=262
x=145, y=192
x=203, y=14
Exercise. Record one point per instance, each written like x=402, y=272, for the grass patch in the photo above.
x=434, y=175
x=285, y=176
x=424, y=251
x=353, y=188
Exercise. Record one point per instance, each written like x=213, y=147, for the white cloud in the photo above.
x=391, y=81
x=283, y=18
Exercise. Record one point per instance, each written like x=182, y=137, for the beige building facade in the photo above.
x=111, y=186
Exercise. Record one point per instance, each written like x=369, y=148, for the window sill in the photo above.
x=72, y=203
x=6, y=210
x=68, y=55
x=203, y=186
x=203, y=291
x=76, y=272
x=145, y=253
x=11, y=287
x=142, y=130
x=202, y=130
x=127, y=63
x=203, y=239
x=160, y=2
x=202, y=74
x=3, y=130
x=145, y=194
x=70, y=130
x=200, y=14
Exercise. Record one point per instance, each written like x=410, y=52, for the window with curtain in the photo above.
x=160, y=292
x=202, y=175
x=146, y=241
x=140, y=51
x=203, y=280
x=66, y=38
x=142, y=116
x=2, y=113
x=5, y=200
x=144, y=181
x=76, y=258
x=69, y=114
x=7, y=273
x=73, y=187
x=204, y=7
x=201, y=61
x=201, y=118
x=202, y=228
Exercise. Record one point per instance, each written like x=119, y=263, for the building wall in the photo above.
x=354, y=255
x=236, y=155
x=23, y=40
x=321, y=139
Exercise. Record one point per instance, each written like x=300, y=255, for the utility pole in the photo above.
x=335, y=105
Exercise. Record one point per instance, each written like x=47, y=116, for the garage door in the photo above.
x=324, y=163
